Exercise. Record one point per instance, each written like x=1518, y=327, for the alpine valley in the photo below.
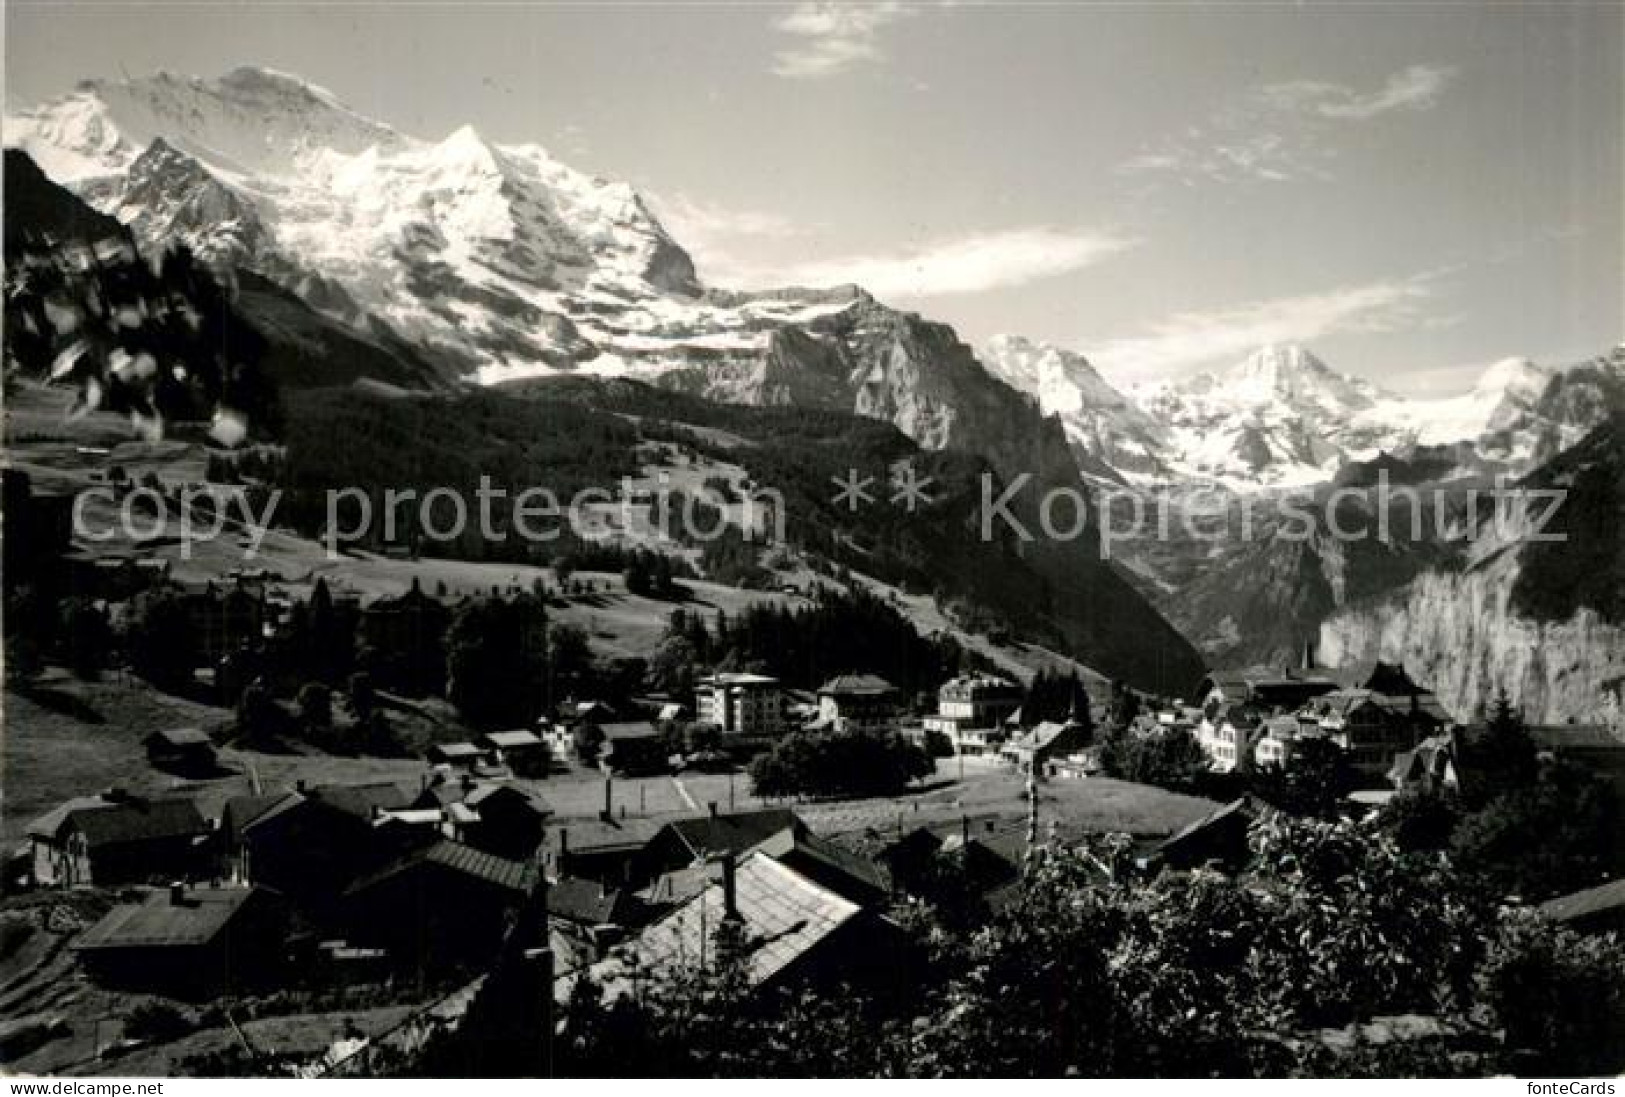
x=429, y=267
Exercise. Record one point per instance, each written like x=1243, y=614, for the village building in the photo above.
x=1219, y=838
x=971, y=711
x=439, y=905
x=315, y=841
x=1429, y=767
x=181, y=750
x=590, y=908
x=190, y=942
x=116, y=839
x=607, y=849
x=791, y=932
x=689, y=841
x=231, y=849
x=740, y=704
x=522, y=751
x=402, y=623
x=1270, y=690
x=461, y=754
x=1370, y=732
x=509, y=820
x=223, y=620
x=860, y=701
x=1261, y=741
x=633, y=747
x=1229, y=736
x=1033, y=750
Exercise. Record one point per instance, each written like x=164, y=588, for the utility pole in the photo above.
x=543, y=959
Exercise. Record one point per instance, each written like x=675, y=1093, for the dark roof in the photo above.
x=598, y=836
x=585, y=902
x=983, y=866
x=239, y=811
x=1584, y=904
x=47, y=825
x=160, y=922
x=736, y=833
x=359, y=800
x=1576, y=737
x=1376, y=675
x=805, y=851
x=138, y=821
x=181, y=737
x=487, y=790
x=476, y=864
x=857, y=685
x=1241, y=809
x=512, y=740
x=917, y=843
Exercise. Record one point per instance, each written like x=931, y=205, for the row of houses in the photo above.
x=1372, y=712
x=359, y=881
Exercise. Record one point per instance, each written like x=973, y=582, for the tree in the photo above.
x=496, y=660
x=588, y=742
x=1556, y=835
x=1559, y=997
x=569, y=659
x=1168, y=757
x=258, y=714
x=362, y=697
x=162, y=641
x=844, y=762
x=315, y=707
x=1421, y=822
x=1125, y=705
x=87, y=637
x=1502, y=758
x=672, y=667
x=1313, y=781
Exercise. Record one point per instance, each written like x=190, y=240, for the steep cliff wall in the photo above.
x=1459, y=633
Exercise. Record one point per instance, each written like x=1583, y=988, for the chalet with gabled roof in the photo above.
x=116, y=839
x=188, y=942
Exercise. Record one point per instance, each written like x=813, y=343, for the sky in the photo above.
x=1413, y=191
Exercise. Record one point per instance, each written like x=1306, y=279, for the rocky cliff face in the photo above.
x=1459, y=633
x=1543, y=619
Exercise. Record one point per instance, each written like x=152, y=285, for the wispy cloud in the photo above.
x=1189, y=339
x=1282, y=131
x=827, y=38
x=967, y=264
x=1415, y=88
x=692, y=218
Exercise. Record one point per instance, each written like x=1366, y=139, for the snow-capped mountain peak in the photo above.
x=1518, y=377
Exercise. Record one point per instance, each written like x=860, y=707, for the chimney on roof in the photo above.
x=299, y=785
x=730, y=889
x=713, y=807
x=609, y=797
x=964, y=829
x=177, y=894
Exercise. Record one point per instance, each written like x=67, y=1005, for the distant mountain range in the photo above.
x=1282, y=418
x=364, y=252
x=465, y=261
